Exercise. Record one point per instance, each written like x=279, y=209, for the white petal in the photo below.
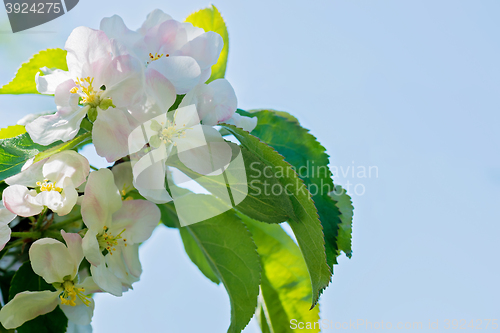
x=69, y=199
x=205, y=48
x=192, y=31
x=114, y=27
x=6, y=216
x=85, y=46
x=21, y=201
x=80, y=314
x=101, y=200
x=66, y=165
x=91, y=248
x=110, y=134
x=154, y=18
x=247, y=123
x=160, y=90
x=117, y=265
x=29, y=176
x=26, y=306
x=74, y=328
x=131, y=258
x=74, y=245
x=52, y=199
x=52, y=260
x=183, y=72
x=89, y=285
x=151, y=183
x=106, y=280
x=4, y=235
x=139, y=218
x=47, y=84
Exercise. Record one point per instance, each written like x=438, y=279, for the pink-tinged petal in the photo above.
x=26, y=306
x=85, y=46
x=139, y=218
x=205, y=48
x=110, y=134
x=21, y=201
x=91, y=248
x=101, y=200
x=74, y=245
x=29, y=176
x=154, y=18
x=247, y=123
x=106, y=280
x=47, y=84
x=51, y=260
x=165, y=38
x=66, y=165
x=123, y=78
x=63, y=125
x=184, y=72
x=131, y=258
x=4, y=235
x=6, y=216
x=80, y=314
x=210, y=157
x=124, y=179
x=160, y=91
x=215, y=102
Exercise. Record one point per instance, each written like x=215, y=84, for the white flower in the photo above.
x=215, y=102
x=58, y=265
x=178, y=51
x=178, y=133
x=5, y=218
x=247, y=123
x=102, y=82
x=115, y=228
x=50, y=183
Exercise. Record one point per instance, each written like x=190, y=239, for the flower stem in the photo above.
x=41, y=217
x=94, y=168
x=26, y=234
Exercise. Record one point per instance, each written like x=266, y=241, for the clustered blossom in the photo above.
x=117, y=79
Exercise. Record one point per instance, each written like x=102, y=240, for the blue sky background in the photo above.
x=411, y=87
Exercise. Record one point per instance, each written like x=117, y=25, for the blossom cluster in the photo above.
x=117, y=79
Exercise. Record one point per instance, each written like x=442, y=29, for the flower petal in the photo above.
x=6, y=216
x=91, y=248
x=101, y=200
x=47, y=84
x=110, y=134
x=247, y=123
x=29, y=176
x=184, y=72
x=74, y=244
x=52, y=260
x=114, y=27
x=160, y=90
x=26, y=306
x=205, y=49
x=106, y=280
x=151, y=183
x=139, y=218
x=69, y=199
x=131, y=258
x=124, y=179
x=21, y=201
x=4, y=235
x=51, y=199
x=154, y=18
x=74, y=328
x=80, y=314
x=66, y=165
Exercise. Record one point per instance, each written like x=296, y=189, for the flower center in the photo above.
x=86, y=91
x=47, y=186
x=70, y=293
x=109, y=242
x=156, y=56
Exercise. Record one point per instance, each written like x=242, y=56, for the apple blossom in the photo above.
x=115, y=229
x=247, y=123
x=58, y=265
x=48, y=183
x=5, y=218
x=180, y=52
x=102, y=82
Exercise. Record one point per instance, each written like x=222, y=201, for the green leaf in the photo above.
x=231, y=253
x=210, y=19
x=308, y=157
x=285, y=286
x=26, y=280
x=24, y=82
x=169, y=215
x=14, y=152
x=12, y=131
x=305, y=222
x=344, y=204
